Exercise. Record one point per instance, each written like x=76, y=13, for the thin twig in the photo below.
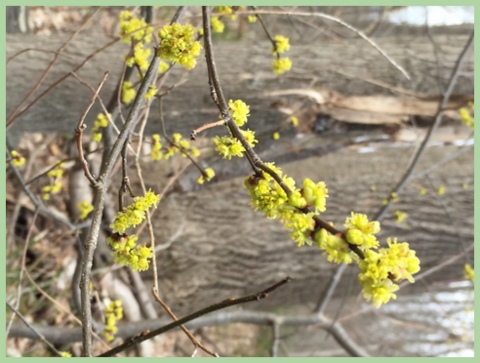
x=207, y=126
x=341, y=22
x=13, y=114
x=22, y=267
x=67, y=335
x=217, y=93
x=60, y=306
x=169, y=311
x=35, y=331
x=99, y=203
x=10, y=120
x=177, y=17
x=466, y=147
x=221, y=305
x=267, y=32
x=256, y=163
x=38, y=204
x=438, y=119
x=81, y=128
x=330, y=289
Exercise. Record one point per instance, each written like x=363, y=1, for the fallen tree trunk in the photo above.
x=219, y=247
x=341, y=69
x=217, y=244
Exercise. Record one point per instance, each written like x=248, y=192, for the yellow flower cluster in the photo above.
x=441, y=190
x=152, y=91
x=55, y=186
x=361, y=232
x=134, y=214
x=137, y=32
x=335, y=247
x=125, y=247
x=17, y=159
x=113, y=313
x=85, y=208
x=128, y=253
x=208, y=175
x=229, y=146
x=163, y=67
x=282, y=44
x=469, y=272
x=228, y=10
x=269, y=197
x=281, y=64
x=178, y=45
x=128, y=92
x=466, y=115
x=239, y=111
x=179, y=145
x=400, y=216
x=134, y=29
x=380, y=270
x=100, y=122
x=140, y=56
x=217, y=25
x=224, y=9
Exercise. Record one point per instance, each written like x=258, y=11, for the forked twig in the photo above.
x=221, y=305
x=438, y=120
x=81, y=127
x=194, y=340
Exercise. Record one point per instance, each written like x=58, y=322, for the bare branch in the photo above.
x=438, y=120
x=221, y=305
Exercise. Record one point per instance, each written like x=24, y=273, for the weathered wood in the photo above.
x=245, y=71
x=221, y=247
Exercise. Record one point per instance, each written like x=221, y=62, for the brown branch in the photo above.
x=67, y=335
x=341, y=22
x=41, y=207
x=35, y=331
x=438, y=120
x=81, y=127
x=257, y=164
x=194, y=340
x=207, y=126
x=221, y=305
x=23, y=267
x=99, y=203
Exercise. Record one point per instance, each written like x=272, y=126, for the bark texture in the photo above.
x=346, y=67
x=219, y=247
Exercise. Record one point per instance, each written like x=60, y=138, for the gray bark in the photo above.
x=219, y=246
x=245, y=70
x=222, y=248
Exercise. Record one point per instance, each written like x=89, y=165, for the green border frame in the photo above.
x=196, y=2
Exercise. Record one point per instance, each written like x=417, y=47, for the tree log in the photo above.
x=220, y=247
x=346, y=67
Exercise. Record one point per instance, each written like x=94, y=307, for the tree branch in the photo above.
x=221, y=305
x=99, y=204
